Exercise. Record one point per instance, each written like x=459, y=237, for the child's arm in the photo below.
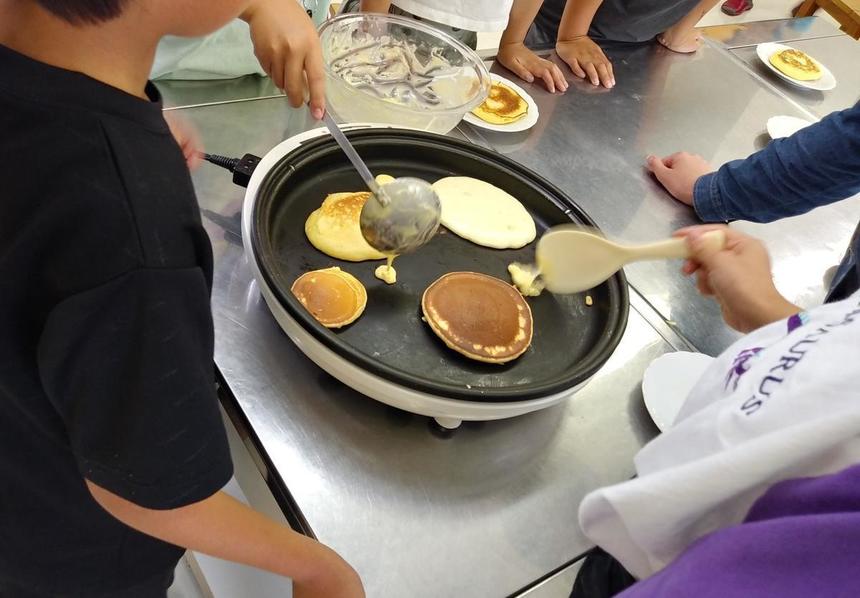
x=288, y=48
x=682, y=36
x=816, y=166
x=514, y=55
x=382, y=6
x=585, y=58
x=225, y=528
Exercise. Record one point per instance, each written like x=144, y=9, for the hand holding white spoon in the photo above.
x=572, y=259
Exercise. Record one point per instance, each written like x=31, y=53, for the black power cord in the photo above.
x=242, y=168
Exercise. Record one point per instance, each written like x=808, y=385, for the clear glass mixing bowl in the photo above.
x=394, y=70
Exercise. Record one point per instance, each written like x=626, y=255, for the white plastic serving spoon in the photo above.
x=571, y=259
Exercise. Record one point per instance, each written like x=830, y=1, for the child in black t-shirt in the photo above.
x=112, y=449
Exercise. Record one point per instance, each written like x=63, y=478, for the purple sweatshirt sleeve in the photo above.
x=800, y=539
x=816, y=166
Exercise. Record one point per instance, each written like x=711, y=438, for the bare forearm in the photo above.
x=514, y=55
x=576, y=19
x=776, y=309
x=523, y=13
x=256, y=5
x=382, y=6
x=225, y=528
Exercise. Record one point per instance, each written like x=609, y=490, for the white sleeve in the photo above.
x=793, y=412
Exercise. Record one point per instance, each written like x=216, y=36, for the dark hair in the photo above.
x=81, y=12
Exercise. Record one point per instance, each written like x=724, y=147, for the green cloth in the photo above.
x=225, y=54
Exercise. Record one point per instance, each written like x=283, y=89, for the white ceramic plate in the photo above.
x=785, y=126
x=825, y=83
x=668, y=381
x=527, y=122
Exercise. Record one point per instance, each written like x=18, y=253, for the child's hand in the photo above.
x=288, y=48
x=586, y=60
x=738, y=277
x=527, y=65
x=187, y=138
x=682, y=39
x=679, y=173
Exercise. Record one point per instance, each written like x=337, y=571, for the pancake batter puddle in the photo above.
x=386, y=271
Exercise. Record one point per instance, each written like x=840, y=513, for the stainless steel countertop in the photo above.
x=592, y=143
x=840, y=54
x=557, y=585
x=188, y=94
x=738, y=35
x=483, y=513
x=492, y=509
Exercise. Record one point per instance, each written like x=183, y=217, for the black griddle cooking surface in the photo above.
x=571, y=341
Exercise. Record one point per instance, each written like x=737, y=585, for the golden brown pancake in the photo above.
x=480, y=316
x=502, y=106
x=796, y=64
x=334, y=228
x=334, y=297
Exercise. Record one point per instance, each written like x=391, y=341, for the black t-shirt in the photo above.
x=618, y=20
x=106, y=338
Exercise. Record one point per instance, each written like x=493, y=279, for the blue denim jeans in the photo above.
x=816, y=166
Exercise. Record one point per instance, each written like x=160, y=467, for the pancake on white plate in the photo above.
x=503, y=105
x=796, y=64
x=483, y=213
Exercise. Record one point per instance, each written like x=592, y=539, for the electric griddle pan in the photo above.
x=571, y=340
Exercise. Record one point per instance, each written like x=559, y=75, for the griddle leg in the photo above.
x=448, y=423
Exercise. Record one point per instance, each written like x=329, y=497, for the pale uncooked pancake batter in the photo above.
x=483, y=213
x=386, y=271
x=525, y=278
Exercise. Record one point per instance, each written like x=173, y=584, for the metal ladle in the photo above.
x=403, y=214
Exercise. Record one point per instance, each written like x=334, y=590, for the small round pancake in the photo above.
x=334, y=228
x=334, y=297
x=483, y=213
x=503, y=105
x=796, y=64
x=479, y=316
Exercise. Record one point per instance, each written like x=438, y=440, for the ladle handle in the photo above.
x=674, y=248
x=353, y=156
